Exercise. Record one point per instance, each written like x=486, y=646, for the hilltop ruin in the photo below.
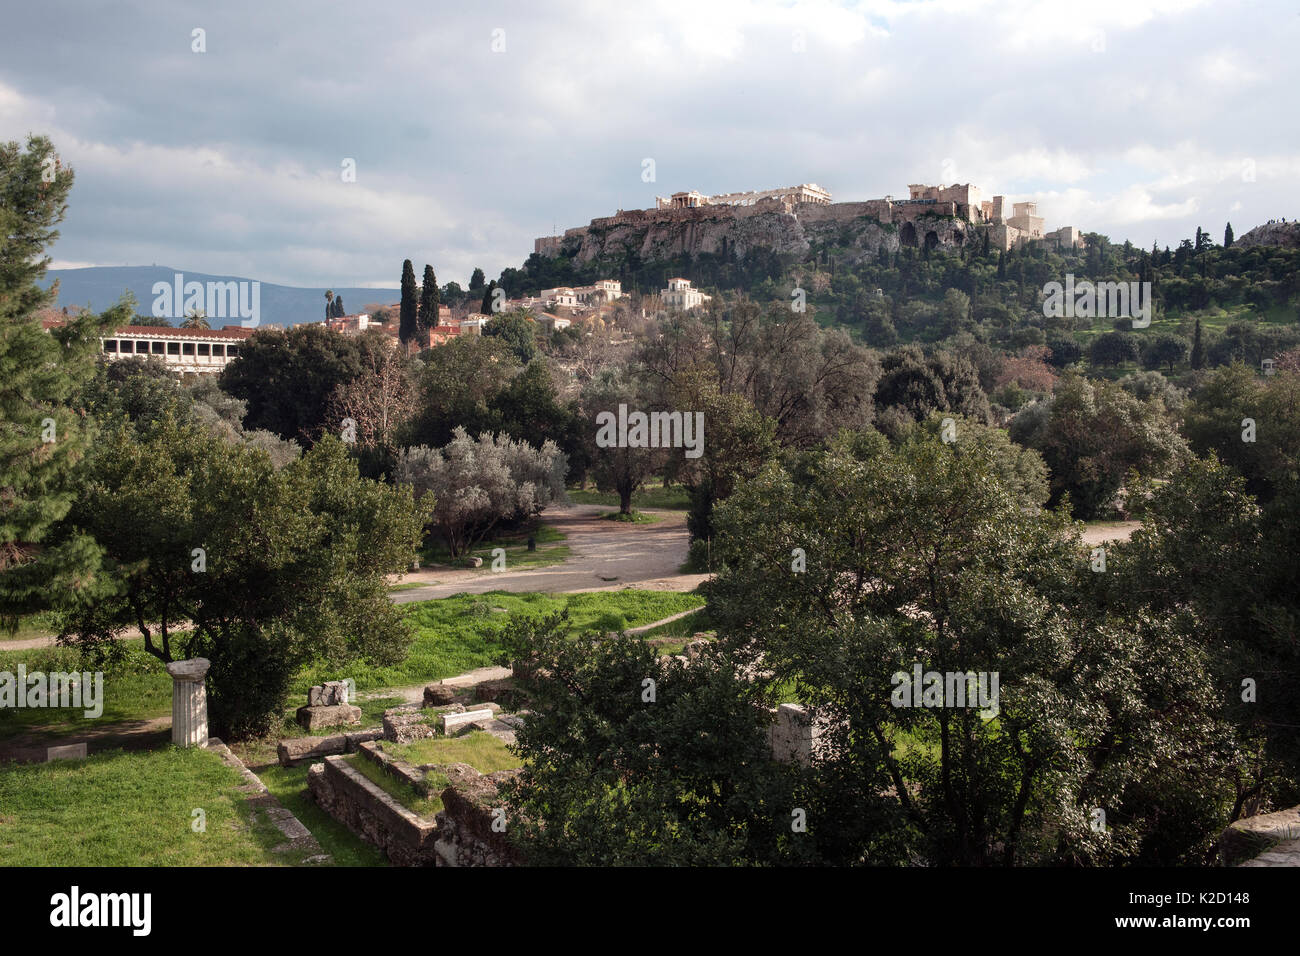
x=789, y=220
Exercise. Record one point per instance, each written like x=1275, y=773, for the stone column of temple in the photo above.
x=189, y=702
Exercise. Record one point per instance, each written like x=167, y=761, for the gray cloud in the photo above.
x=1135, y=119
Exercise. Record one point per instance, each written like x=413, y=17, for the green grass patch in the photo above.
x=550, y=550
x=460, y=633
x=289, y=786
x=482, y=751
x=632, y=517
x=34, y=625
x=132, y=809
x=138, y=688
x=683, y=627
x=675, y=498
x=399, y=790
x=452, y=635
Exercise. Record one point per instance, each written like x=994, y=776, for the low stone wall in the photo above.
x=297, y=750
x=468, y=831
x=368, y=811
x=472, y=826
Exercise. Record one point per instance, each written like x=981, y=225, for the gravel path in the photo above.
x=603, y=556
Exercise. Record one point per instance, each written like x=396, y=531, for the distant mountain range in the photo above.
x=101, y=286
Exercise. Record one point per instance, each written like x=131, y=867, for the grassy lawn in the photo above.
x=131, y=809
x=460, y=633
x=138, y=689
x=650, y=496
x=479, y=749
x=35, y=625
x=1213, y=319
x=453, y=635
x=289, y=786
x=550, y=550
x=399, y=790
x=633, y=517
x=683, y=627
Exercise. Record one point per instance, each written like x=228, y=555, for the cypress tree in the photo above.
x=428, y=315
x=476, y=280
x=1227, y=237
x=339, y=311
x=1198, y=349
x=486, y=307
x=406, y=327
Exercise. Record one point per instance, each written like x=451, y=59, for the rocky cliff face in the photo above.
x=1284, y=234
x=737, y=230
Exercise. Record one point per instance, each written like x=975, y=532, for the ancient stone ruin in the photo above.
x=470, y=829
x=327, y=706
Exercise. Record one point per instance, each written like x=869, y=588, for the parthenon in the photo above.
x=806, y=192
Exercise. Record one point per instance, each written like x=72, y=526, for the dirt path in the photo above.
x=1110, y=531
x=603, y=556
x=127, y=734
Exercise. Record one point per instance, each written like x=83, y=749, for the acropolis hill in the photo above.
x=792, y=219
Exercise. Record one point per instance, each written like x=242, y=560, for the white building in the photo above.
x=184, y=351
x=680, y=295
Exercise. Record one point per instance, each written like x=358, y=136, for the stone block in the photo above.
x=66, y=752
x=492, y=690
x=440, y=695
x=313, y=718
x=357, y=737
x=454, y=722
x=330, y=694
x=297, y=749
x=402, y=725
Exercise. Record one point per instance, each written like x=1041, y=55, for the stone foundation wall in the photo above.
x=470, y=825
x=369, y=812
x=298, y=750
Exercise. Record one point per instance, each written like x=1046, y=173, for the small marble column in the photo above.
x=189, y=702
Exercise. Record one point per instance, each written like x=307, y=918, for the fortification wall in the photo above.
x=785, y=227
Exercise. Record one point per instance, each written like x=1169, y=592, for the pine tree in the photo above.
x=1198, y=349
x=329, y=304
x=1227, y=237
x=476, y=280
x=427, y=317
x=41, y=374
x=406, y=325
x=486, y=307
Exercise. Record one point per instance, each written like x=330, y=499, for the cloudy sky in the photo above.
x=475, y=127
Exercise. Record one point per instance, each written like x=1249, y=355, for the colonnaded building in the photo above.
x=183, y=351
